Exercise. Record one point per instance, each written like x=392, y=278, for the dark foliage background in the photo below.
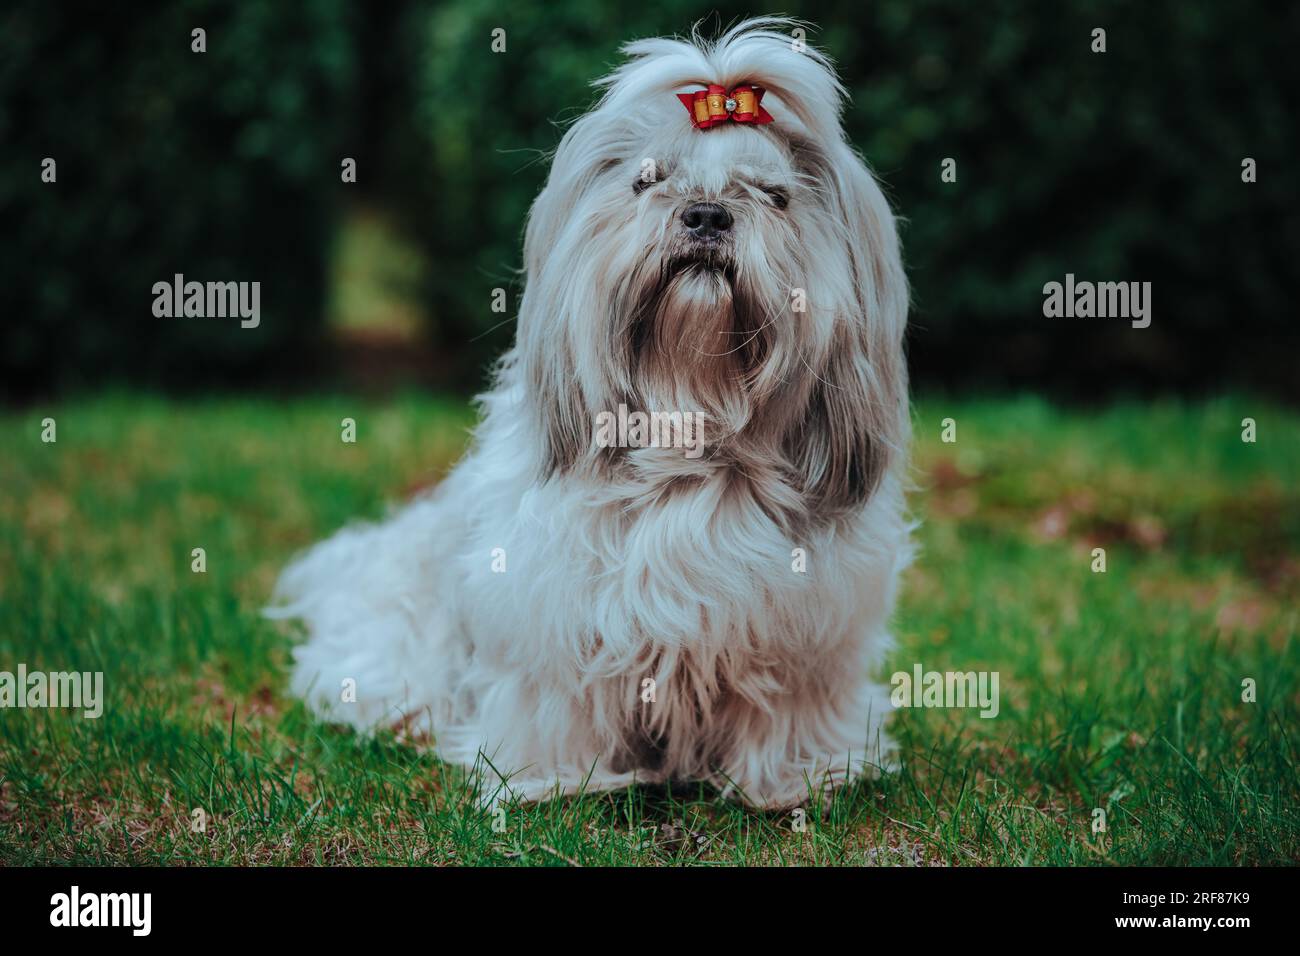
x=220, y=166
x=1117, y=166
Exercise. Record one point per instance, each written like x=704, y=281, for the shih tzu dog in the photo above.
x=672, y=550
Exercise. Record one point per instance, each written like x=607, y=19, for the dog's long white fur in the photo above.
x=636, y=564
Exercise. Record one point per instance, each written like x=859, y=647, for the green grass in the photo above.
x=1120, y=691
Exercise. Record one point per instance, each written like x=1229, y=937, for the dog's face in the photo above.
x=749, y=273
x=709, y=236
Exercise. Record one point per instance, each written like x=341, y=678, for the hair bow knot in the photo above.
x=717, y=104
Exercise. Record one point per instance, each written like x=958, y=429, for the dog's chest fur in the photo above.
x=673, y=608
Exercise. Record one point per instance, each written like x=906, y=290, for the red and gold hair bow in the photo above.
x=717, y=105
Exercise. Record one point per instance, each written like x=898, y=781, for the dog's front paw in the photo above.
x=811, y=788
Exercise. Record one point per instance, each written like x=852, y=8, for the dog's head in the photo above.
x=749, y=271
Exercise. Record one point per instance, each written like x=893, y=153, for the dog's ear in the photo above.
x=559, y=353
x=547, y=357
x=857, y=419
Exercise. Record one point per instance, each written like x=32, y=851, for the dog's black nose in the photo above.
x=706, y=220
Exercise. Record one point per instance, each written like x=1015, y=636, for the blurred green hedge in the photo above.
x=222, y=166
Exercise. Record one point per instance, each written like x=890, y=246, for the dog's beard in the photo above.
x=683, y=334
x=697, y=340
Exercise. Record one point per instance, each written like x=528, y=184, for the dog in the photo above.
x=579, y=614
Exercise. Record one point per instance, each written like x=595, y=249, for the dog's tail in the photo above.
x=378, y=648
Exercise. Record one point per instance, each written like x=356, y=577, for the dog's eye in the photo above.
x=780, y=198
x=641, y=184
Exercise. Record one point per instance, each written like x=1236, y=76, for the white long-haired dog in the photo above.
x=584, y=615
